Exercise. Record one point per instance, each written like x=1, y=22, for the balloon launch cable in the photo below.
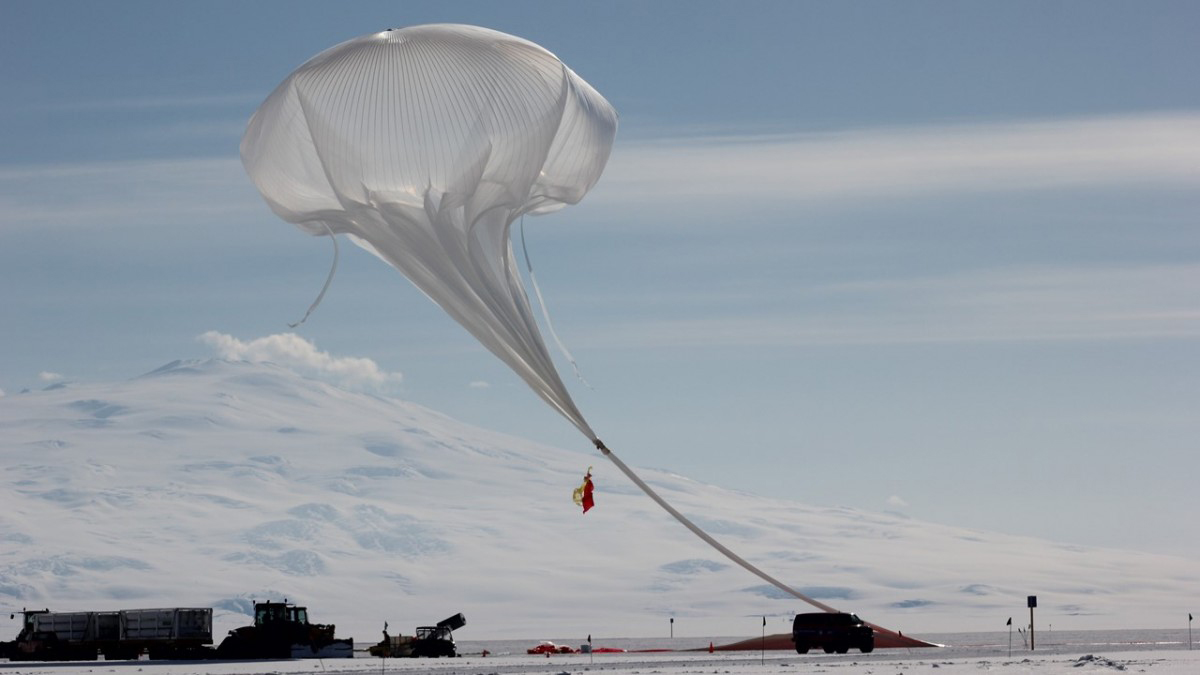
x=704, y=535
x=545, y=312
x=328, y=279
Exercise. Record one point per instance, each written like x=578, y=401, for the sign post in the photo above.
x=1032, y=602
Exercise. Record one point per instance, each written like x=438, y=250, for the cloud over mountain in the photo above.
x=293, y=351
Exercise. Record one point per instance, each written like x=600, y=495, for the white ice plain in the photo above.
x=1157, y=662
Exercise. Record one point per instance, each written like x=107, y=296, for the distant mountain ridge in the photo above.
x=208, y=483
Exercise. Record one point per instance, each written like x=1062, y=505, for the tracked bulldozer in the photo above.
x=282, y=631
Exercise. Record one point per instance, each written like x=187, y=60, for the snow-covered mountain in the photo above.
x=211, y=483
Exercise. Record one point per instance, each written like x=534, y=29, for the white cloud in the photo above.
x=740, y=170
x=897, y=502
x=1083, y=303
x=238, y=101
x=2, y=394
x=292, y=351
x=479, y=384
x=47, y=376
x=687, y=173
x=126, y=193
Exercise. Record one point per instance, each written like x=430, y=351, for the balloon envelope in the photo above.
x=424, y=144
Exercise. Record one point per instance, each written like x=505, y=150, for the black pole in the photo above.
x=1031, y=602
x=1032, y=643
x=763, y=652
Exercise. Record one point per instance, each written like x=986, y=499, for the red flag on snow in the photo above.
x=583, y=494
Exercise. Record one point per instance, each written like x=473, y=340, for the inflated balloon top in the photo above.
x=424, y=144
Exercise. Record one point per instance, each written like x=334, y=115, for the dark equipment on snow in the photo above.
x=282, y=631
x=833, y=631
x=429, y=641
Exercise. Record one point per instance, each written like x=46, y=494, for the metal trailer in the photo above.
x=169, y=633
x=176, y=623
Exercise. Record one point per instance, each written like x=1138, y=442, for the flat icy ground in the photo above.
x=1155, y=662
x=1077, y=653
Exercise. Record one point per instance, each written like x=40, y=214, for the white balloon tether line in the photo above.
x=537, y=291
x=704, y=535
x=328, y=279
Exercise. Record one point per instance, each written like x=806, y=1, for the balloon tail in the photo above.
x=328, y=279
x=546, y=312
x=704, y=535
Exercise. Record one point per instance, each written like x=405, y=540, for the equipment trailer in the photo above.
x=172, y=633
x=429, y=641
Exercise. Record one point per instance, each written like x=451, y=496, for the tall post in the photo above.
x=672, y=628
x=1032, y=602
x=763, y=651
x=387, y=644
x=1010, y=637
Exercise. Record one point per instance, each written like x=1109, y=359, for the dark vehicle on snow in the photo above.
x=281, y=631
x=832, y=631
x=429, y=641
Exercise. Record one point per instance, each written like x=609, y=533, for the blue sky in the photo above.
x=941, y=258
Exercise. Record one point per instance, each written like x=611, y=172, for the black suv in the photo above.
x=833, y=631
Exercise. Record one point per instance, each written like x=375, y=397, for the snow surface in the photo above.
x=213, y=483
x=1164, y=662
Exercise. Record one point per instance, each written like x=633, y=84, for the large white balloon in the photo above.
x=424, y=144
